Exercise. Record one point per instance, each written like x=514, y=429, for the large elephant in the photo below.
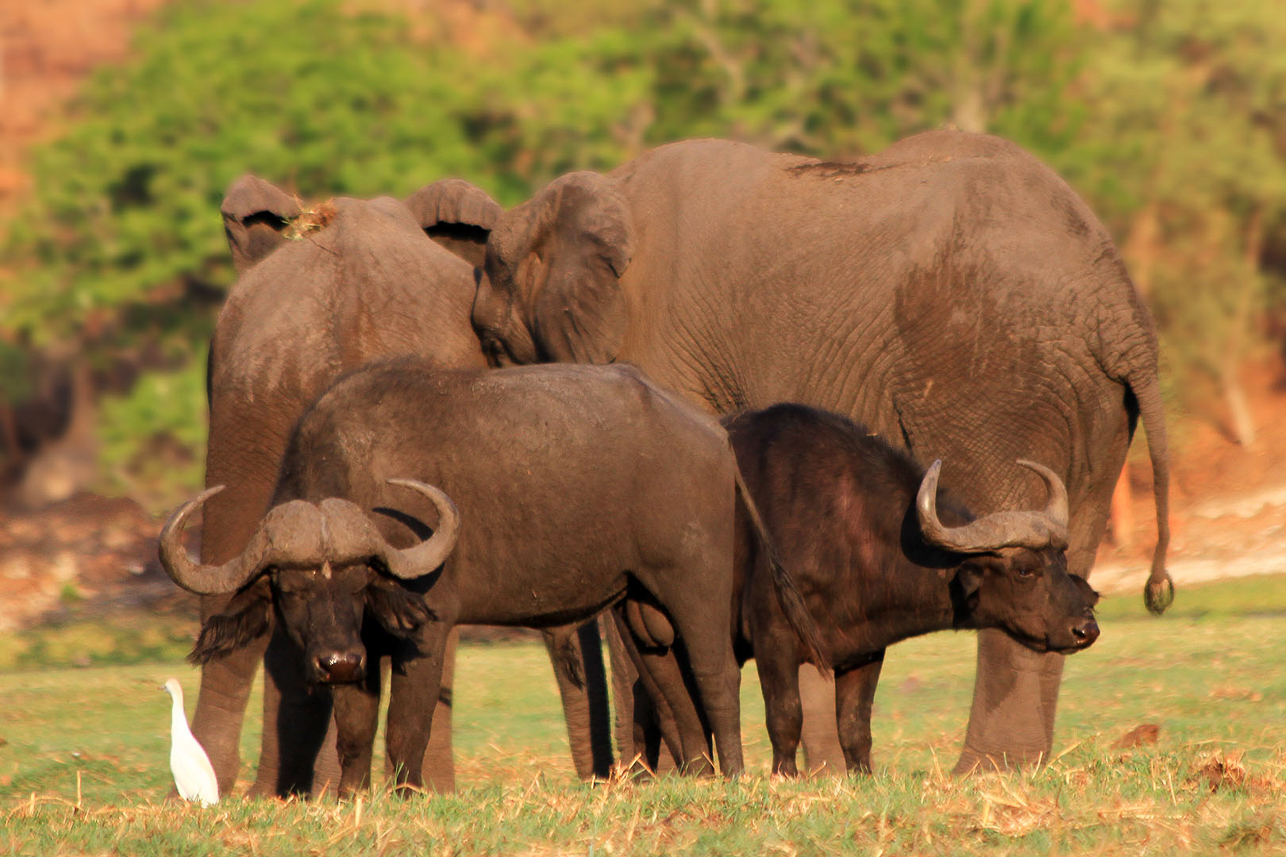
x=950, y=292
x=360, y=281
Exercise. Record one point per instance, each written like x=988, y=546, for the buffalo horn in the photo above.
x=418, y=561
x=1033, y=530
x=1056, y=508
x=198, y=577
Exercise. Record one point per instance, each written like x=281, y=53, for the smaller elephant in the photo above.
x=318, y=294
x=577, y=487
x=880, y=554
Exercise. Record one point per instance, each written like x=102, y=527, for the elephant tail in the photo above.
x=1159, y=592
x=789, y=598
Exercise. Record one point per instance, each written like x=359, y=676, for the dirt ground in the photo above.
x=1228, y=503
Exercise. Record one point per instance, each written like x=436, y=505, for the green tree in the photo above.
x=1184, y=154
x=1168, y=117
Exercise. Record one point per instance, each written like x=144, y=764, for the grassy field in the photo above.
x=83, y=762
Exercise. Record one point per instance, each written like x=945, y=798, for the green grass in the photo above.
x=1213, y=680
x=1245, y=596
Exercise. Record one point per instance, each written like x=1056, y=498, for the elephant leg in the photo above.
x=696, y=753
x=823, y=754
x=854, y=697
x=439, y=758
x=1015, y=694
x=577, y=656
x=357, y=714
x=299, y=721
x=221, y=702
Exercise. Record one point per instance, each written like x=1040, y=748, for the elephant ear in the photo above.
x=255, y=216
x=457, y=215
x=583, y=243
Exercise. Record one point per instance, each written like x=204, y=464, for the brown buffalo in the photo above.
x=577, y=487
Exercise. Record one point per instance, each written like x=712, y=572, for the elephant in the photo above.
x=951, y=293
x=359, y=281
x=552, y=492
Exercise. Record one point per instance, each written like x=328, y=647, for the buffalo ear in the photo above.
x=399, y=611
x=1090, y=593
x=246, y=618
x=582, y=244
x=255, y=216
x=457, y=215
x=968, y=583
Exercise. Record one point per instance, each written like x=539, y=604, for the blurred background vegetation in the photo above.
x=1168, y=117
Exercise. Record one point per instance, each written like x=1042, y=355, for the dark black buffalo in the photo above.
x=554, y=491
x=881, y=553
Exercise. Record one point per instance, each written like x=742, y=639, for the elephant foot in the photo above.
x=823, y=755
x=977, y=762
x=1011, y=723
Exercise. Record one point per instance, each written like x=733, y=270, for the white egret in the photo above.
x=193, y=773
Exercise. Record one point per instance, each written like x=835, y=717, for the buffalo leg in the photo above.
x=708, y=643
x=357, y=713
x=413, y=692
x=438, y=767
x=653, y=720
x=854, y=696
x=664, y=673
x=577, y=656
x=299, y=721
x=777, y=662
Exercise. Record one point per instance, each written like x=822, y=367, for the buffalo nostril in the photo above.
x=1086, y=632
x=341, y=667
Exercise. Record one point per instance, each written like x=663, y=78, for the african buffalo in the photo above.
x=577, y=487
x=881, y=553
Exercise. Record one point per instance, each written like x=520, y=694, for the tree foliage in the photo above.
x=1168, y=117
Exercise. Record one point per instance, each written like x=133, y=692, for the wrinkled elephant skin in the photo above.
x=951, y=293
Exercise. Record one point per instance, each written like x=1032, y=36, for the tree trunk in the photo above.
x=1243, y=422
